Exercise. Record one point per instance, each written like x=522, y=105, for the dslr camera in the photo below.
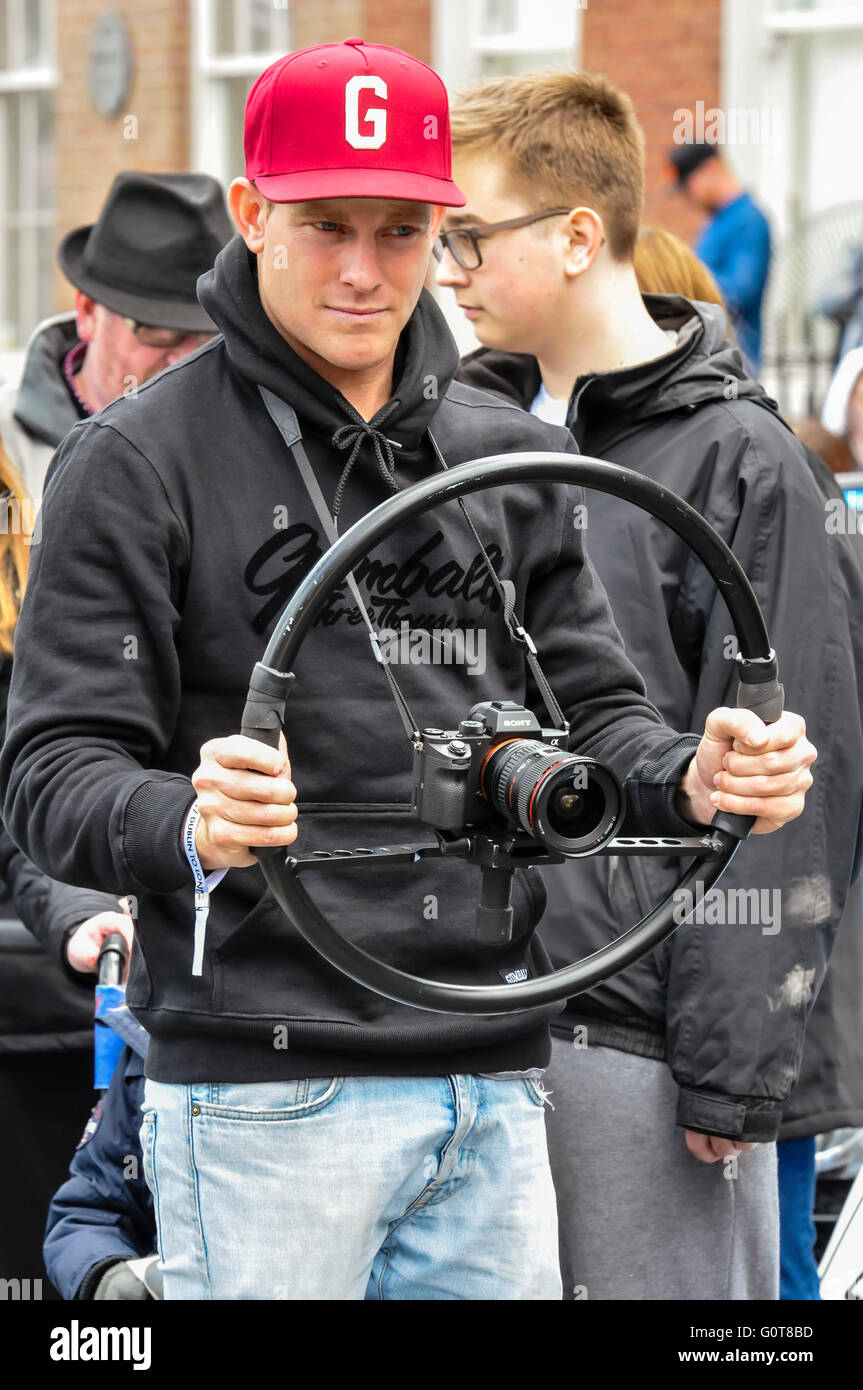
x=499, y=768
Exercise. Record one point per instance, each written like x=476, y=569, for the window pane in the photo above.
x=44, y=182
x=26, y=174
x=11, y=330
x=45, y=295
x=269, y=26
x=498, y=16
x=32, y=33
x=223, y=26
x=509, y=64
x=12, y=129
x=234, y=159
x=26, y=227
x=261, y=13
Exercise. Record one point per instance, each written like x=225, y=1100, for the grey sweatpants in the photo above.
x=640, y=1217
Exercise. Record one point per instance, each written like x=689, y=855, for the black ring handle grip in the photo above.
x=766, y=699
x=268, y=691
x=263, y=718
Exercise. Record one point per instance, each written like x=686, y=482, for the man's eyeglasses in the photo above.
x=164, y=337
x=463, y=243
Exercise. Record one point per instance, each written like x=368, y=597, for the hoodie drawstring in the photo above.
x=353, y=436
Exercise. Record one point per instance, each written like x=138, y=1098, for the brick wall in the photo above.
x=401, y=23
x=92, y=149
x=665, y=54
x=326, y=21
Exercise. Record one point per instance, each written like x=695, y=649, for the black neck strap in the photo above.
x=285, y=419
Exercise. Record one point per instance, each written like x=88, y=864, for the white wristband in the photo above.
x=203, y=884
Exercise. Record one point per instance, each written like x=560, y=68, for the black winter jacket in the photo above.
x=725, y=1004
x=45, y=1005
x=174, y=527
x=37, y=412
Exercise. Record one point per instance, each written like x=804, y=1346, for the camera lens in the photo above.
x=572, y=804
x=574, y=811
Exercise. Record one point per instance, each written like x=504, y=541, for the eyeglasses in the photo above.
x=463, y=243
x=164, y=337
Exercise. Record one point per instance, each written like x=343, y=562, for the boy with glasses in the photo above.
x=672, y=1074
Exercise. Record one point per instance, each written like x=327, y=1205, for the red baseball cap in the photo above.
x=350, y=120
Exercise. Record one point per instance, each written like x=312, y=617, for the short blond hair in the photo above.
x=566, y=138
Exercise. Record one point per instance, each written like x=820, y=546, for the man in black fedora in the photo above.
x=136, y=311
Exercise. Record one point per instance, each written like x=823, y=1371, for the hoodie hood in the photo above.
x=426, y=353
x=703, y=367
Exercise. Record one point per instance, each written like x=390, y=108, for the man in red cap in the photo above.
x=305, y=1138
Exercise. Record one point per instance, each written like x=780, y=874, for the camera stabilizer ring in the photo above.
x=758, y=689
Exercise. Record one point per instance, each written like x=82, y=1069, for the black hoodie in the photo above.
x=174, y=528
x=726, y=998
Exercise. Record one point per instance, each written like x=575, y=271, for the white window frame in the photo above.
x=822, y=19
x=208, y=107
x=18, y=80
x=528, y=36
x=459, y=43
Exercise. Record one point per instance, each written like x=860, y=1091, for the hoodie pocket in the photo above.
x=417, y=916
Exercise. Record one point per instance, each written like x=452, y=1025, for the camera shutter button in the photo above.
x=460, y=749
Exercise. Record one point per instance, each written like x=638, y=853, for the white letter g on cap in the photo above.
x=376, y=116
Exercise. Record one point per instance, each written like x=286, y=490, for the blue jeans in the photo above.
x=352, y=1188
x=798, y=1277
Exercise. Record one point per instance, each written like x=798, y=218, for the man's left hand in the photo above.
x=85, y=943
x=749, y=768
x=710, y=1147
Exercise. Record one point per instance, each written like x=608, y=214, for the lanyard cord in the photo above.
x=506, y=593
x=285, y=420
x=332, y=534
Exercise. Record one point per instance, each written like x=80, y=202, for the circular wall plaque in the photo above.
x=109, y=69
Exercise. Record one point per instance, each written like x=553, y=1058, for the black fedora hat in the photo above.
x=156, y=234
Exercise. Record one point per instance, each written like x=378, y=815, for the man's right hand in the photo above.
x=245, y=797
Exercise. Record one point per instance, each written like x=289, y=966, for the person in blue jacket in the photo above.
x=734, y=243
x=100, y=1238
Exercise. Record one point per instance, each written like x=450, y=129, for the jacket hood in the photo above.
x=44, y=407
x=703, y=367
x=426, y=354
